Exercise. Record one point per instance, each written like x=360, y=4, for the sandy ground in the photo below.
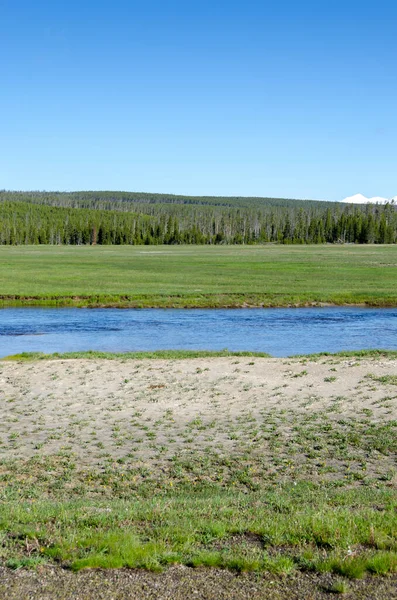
x=149, y=410
x=182, y=583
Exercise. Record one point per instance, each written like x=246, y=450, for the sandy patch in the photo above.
x=150, y=410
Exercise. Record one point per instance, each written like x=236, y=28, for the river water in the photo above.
x=278, y=331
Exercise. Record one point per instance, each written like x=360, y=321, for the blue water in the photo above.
x=278, y=331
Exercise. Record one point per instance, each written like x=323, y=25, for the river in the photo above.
x=278, y=331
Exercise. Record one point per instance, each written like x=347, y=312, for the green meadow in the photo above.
x=198, y=276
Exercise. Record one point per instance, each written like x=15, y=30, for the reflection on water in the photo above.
x=278, y=331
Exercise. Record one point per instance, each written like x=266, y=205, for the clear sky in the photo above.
x=290, y=99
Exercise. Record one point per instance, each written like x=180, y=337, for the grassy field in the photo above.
x=198, y=276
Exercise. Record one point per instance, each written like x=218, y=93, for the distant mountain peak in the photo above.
x=361, y=199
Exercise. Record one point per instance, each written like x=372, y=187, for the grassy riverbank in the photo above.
x=184, y=354
x=282, y=466
x=198, y=276
x=159, y=354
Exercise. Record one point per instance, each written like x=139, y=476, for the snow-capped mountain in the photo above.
x=360, y=199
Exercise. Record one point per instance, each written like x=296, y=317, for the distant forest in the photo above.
x=141, y=218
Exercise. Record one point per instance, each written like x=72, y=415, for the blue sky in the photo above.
x=286, y=99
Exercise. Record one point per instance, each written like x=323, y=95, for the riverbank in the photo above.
x=281, y=467
x=209, y=301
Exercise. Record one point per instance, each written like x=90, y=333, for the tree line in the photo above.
x=105, y=218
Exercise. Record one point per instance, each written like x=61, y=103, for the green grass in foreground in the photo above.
x=290, y=527
x=197, y=276
x=313, y=495
x=308, y=492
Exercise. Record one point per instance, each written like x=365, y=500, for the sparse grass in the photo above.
x=210, y=509
x=385, y=379
x=158, y=354
x=265, y=488
x=338, y=587
x=300, y=374
x=370, y=353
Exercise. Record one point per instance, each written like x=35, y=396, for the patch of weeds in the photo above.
x=352, y=568
x=386, y=379
x=29, y=562
x=367, y=412
x=301, y=374
x=338, y=587
x=383, y=563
